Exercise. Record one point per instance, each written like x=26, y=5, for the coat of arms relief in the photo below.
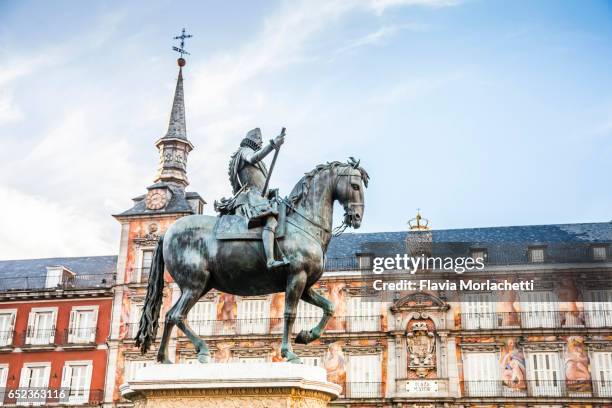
x=421, y=348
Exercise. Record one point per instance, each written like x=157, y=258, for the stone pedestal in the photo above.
x=231, y=385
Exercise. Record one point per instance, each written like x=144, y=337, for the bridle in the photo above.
x=349, y=208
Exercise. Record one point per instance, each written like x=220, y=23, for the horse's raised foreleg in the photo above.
x=314, y=298
x=295, y=287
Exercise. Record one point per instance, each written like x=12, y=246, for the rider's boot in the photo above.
x=267, y=236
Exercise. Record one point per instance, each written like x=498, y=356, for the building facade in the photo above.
x=54, y=323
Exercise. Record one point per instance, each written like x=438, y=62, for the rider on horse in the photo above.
x=248, y=175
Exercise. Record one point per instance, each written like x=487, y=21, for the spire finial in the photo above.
x=418, y=222
x=181, y=49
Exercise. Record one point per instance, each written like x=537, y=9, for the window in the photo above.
x=132, y=367
x=34, y=376
x=135, y=314
x=602, y=373
x=363, y=376
x=82, y=326
x=145, y=265
x=477, y=311
x=202, y=317
x=480, y=374
x=308, y=316
x=7, y=326
x=4, y=368
x=41, y=326
x=253, y=316
x=76, y=380
x=363, y=315
x=536, y=255
x=598, y=308
x=364, y=261
x=539, y=309
x=479, y=253
x=544, y=375
x=599, y=253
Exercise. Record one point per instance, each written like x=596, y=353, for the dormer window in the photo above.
x=58, y=276
x=479, y=253
x=536, y=254
x=364, y=261
x=600, y=252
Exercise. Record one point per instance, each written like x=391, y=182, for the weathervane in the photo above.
x=181, y=49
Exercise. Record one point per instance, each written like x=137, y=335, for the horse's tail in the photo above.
x=149, y=321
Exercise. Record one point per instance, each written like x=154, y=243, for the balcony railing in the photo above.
x=140, y=275
x=363, y=390
x=6, y=338
x=233, y=327
x=50, y=396
x=72, y=282
x=79, y=335
x=536, y=319
x=537, y=388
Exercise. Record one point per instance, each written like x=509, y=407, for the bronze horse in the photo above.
x=199, y=262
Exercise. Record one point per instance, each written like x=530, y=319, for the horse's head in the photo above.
x=349, y=185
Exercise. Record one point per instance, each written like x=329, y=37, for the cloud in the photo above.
x=35, y=227
x=380, y=36
x=379, y=6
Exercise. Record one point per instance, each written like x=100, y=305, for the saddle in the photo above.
x=236, y=227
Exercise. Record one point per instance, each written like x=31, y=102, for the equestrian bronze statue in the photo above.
x=233, y=252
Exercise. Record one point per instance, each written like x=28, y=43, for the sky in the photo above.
x=480, y=113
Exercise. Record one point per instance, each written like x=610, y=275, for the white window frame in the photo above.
x=478, y=311
x=45, y=382
x=312, y=361
x=307, y=316
x=4, y=370
x=481, y=373
x=365, y=370
x=540, y=309
x=598, y=308
x=135, y=315
x=362, y=316
x=140, y=260
x=248, y=323
x=82, y=335
x=545, y=381
x=32, y=329
x=202, y=317
x=600, y=252
x=82, y=393
x=7, y=329
x=537, y=254
x=601, y=372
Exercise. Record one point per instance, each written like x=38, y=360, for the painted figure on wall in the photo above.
x=577, y=365
x=335, y=364
x=226, y=313
x=338, y=298
x=512, y=363
x=277, y=308
x=223, y=354
x=569, y=305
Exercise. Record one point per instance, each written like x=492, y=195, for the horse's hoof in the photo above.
x=303, y=337
x=204, y=358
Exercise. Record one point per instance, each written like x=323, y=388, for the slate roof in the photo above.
x=504, y=245
x=91, y=271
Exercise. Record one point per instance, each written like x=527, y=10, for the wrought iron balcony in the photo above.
x=22, y=283
x=537, y=388
x=363, y=390
x=140, y=275
x=536, y=319
x=37, y=337
x=79, y=336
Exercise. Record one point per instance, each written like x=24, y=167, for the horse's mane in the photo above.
x=303, y=186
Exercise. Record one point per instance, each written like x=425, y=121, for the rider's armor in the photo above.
x=248, y=176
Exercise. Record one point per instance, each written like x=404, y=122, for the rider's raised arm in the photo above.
x=260, y=154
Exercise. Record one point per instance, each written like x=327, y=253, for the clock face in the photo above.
x=156, y=199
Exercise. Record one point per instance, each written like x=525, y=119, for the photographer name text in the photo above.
x=460, y=285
